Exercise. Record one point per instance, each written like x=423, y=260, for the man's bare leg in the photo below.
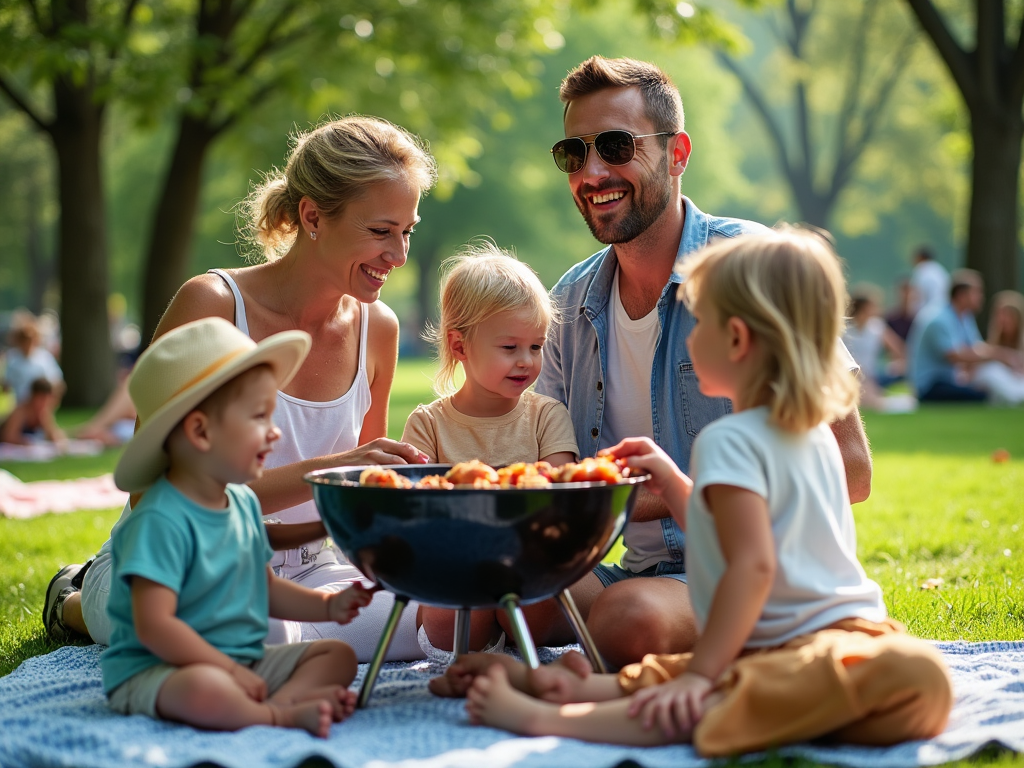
x=439, y=624
x=491, y=700
x=638, y=616
x=547, y=623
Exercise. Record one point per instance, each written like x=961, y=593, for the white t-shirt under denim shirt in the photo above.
x=818, y=579
x=631, y=345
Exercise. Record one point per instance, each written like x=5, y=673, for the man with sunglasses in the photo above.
x=619, y=359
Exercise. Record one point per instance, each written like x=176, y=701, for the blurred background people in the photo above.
x=1003, y=378
x=946, y=348
x=32, y=419
x=929, y=281
x=901, y=315
x=878, y=350
x=27, y=359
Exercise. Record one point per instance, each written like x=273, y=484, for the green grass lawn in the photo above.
x=940, y=509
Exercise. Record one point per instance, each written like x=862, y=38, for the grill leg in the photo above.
x=572, y=615
x=520, y=631
x=382, y=650
x=462, y=625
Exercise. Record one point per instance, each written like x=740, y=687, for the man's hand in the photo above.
x=677, y=705
x=344, y=606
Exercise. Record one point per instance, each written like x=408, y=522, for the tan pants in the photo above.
x=856, y=682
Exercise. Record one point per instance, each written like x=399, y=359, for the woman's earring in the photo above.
x=312, y=235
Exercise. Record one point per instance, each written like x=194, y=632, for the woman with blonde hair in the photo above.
x=329, y=229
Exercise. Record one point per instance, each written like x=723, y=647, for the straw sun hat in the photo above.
x=180, y=370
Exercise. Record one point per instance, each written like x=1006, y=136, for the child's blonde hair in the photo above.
x=787, y=286
x=477, y=283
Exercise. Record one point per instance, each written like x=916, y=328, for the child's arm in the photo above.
x=11, y=429
x=154, y=611
x=744, y=533
x=667, y=480
x=558, y=459
x=53, y=433
x=294, y=602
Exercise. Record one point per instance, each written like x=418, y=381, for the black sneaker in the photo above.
x=56, y=593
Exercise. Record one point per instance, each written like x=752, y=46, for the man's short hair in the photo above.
x=663, y=105
x=962, y=279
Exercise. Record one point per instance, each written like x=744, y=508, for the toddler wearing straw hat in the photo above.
x=191, y=591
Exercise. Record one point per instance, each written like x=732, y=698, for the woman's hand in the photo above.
x=383, y=450
x=677, y=706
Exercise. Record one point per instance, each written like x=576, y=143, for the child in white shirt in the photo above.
x=794, y=640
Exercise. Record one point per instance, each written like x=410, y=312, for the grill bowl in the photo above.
x=468, y=548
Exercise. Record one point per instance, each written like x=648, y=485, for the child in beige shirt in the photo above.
x=494, y=321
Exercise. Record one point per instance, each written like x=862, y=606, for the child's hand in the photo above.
x=642, y=453
x=344, y=606
x=255, y=687
x=677, y=705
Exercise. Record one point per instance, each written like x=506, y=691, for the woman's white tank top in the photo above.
x=311, y=429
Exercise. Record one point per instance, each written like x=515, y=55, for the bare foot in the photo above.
x=312, y=716
x=341, y=699
x=575, y=662
x=459, y=676
x=491, y=700
x=557, y=683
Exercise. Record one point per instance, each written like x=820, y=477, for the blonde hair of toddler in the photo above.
x=477, y=283
x=787, y=286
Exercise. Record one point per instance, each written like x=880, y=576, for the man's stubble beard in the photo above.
x=643, y=212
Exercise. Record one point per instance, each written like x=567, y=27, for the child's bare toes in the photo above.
x=348, y=701
x=576, y=662
x=312, y=716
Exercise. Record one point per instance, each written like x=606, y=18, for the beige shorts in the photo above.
x=137, y=695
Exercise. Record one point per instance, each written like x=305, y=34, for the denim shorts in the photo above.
x=610, y=574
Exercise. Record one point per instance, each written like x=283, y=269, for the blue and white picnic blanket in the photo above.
x=53, y=713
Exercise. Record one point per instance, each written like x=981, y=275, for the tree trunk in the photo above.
x=427, y=262
x=39, y=265
x=814, y=209
x=174, y=221
x=992, y=242
x=86, y=354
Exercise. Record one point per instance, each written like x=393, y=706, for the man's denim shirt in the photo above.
x=576, y=358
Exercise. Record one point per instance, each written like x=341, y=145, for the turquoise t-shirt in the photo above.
x=214, y=559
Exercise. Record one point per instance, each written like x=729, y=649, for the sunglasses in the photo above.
x=613, y=147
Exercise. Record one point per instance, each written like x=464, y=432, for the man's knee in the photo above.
x=633, y=618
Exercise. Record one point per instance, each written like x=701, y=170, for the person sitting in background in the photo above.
x=866, y=336
x=901, y=316
x=28, y=360
x=946, y=345
x=32, y=419
x=929, y=281
x=1004, y=379
x=114, y=422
